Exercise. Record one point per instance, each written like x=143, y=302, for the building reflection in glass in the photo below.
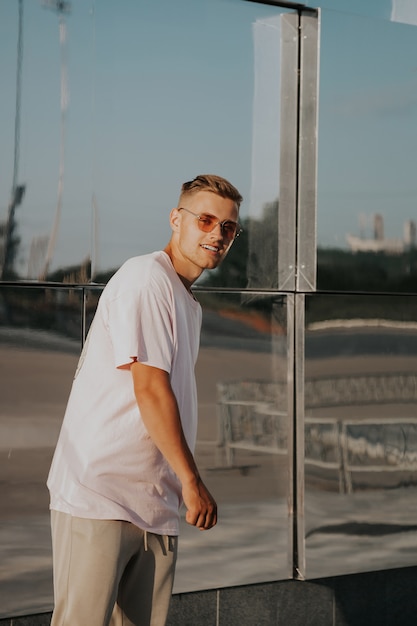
x=242, y=447
x=360, y=433
x=366, y=223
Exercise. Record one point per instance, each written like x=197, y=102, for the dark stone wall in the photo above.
x=386, y=598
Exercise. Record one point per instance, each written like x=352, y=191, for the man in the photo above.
x=124, y=459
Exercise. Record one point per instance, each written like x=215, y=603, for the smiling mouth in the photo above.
x=211, y=248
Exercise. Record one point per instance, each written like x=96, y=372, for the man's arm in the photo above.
x=160, y=414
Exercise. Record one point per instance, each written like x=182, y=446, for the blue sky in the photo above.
x=157, y=95
x=368, y=124
x=162, y=91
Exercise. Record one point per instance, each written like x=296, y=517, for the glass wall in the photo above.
x=367, y=197
x=360, y=404
x=306, y=378
x=242, y=444
x=40, y=339
x=107, y=109
x=355, y=369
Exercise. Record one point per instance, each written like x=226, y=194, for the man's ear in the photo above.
x=175, y=219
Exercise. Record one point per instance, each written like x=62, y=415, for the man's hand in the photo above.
x=201, y=506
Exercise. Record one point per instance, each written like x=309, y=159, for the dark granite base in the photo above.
x=386, y=598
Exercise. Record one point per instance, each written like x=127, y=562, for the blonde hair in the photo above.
x=214, y=184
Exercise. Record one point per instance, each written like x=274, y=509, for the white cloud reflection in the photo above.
x=404, y=11
x=266, y=113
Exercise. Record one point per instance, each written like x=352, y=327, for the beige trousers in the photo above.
x=110, y=573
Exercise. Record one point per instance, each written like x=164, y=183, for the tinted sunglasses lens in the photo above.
x=207, y=223
x=229, y=230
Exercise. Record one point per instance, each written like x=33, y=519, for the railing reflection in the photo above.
x=362, y=389
x=249, y=417
x=363, y=447
x=252, y=417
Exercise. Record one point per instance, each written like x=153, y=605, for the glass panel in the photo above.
x=242, y=447
x=360, y=433
x=242, y=442
x=125, y=104
x=40, y=338
x=367, y=151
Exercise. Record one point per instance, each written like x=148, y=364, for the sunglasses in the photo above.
x=207, y=223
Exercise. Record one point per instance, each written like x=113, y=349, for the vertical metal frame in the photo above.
x=288, y=152
x=307, y=152
x=295, y=386
x=299, y=561
x=292, y=470
x=297, y=234
x=297, y=217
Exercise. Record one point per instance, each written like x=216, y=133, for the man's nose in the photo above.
x=217, y=231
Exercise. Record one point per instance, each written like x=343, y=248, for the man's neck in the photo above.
x=179, y=267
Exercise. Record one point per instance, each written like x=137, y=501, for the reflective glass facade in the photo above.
x=242, y=444
x=367, y=198
x=360, y=415
x=127, y=103
x=306, y=373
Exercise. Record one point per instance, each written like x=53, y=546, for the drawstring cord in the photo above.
x=166, y=540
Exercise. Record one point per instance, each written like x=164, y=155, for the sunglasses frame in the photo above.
x=200, y=219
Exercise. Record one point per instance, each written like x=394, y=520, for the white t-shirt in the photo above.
x=105, y=465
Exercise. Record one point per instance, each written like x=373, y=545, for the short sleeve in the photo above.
x=141, y=328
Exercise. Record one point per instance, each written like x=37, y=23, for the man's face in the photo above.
x=203, y=250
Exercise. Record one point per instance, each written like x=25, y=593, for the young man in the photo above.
x=124, y=459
